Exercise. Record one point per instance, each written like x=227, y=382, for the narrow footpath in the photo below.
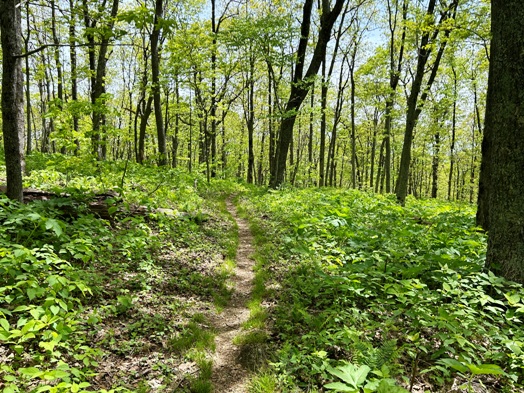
x=229, y=376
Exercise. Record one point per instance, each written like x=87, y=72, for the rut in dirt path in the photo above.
x=229, y=376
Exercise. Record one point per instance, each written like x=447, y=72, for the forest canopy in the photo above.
x=207, y=86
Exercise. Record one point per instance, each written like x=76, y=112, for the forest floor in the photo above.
x=297, y=290
x=229, y=375
x=199, y=303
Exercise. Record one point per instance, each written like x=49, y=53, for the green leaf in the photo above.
x=485, y=369
x=34, y=216
x=513, y=298
x=53, y=224
x=47, y=346
x=389, y=386
x=350, y=374
x=44, y=388
x=339, y=386
x=31, y=372
x=5, y=324
x=10, y=389
x=454, y=364
x=55, y=309
x=31, y=293
x=512, y=346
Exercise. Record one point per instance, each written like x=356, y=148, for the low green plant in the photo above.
x=251, y=337
x=263, y=383
x=355, y=379
x=359, y=279
x=77, y=290
x=193, y=335
x=470, y=371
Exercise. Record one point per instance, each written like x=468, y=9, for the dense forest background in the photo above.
x=205, y=86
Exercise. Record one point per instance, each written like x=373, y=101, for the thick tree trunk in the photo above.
x=504, y=133
x=12, y=97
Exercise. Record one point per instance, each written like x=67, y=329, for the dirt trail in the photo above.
x=229, y=376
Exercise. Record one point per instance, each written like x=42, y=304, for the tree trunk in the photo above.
x=190, y=141
x=435, y=165
x=453, y=133
x=373, y=149
x=29, y=139
x=155, y=76
x=323, y=108
x=395, y=67
x=145, y=112
x=74, y=79
x=302, y=83
x=311, y=133
x=415, y=103
x=211, y=135
x=12, y=97
x=56, y=55
x=504, y=133
x=353, y=126
x=250, y=119
x=98, y=75
x=177, y=124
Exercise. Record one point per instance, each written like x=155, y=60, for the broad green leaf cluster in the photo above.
x=368, y=291
x=79, y=293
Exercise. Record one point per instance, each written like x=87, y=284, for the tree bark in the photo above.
x=12, y=97
x=323, y=108
x=453, y=134
x=435, y=165
x=155, y=76
x=74, y=76
x=311, y=133
x=29, y=138
x=250, y=119
x=503, y=146
x=177, y=123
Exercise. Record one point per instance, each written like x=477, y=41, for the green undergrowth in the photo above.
x=88, y=304
x=374, y=297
